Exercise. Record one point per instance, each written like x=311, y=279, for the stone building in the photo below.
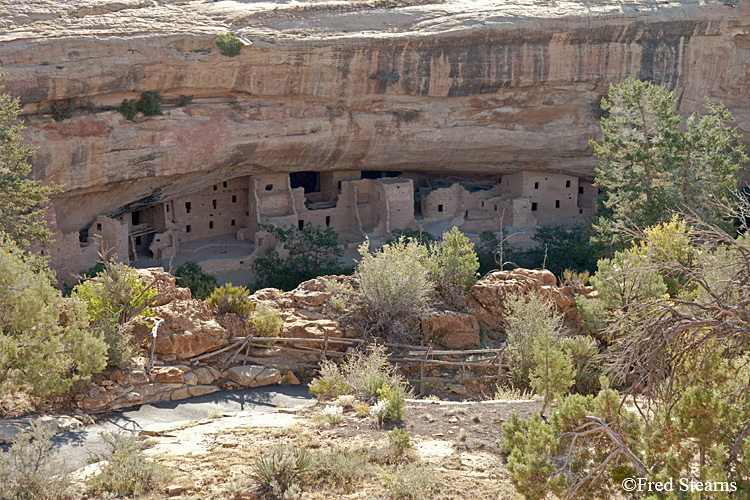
x=356, y=204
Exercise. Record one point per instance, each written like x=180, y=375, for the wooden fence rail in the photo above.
x=421, y=355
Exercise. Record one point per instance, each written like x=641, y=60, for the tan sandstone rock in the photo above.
x=456, y=330
x=253, y=375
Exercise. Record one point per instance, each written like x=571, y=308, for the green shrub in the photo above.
x=125, y=470
x=266, y=321
x=528, y=317
x=115, y=297
x=329, y=384
x=185, y=100
x=229, y=44
x=552, y=374
x=116, y=293
x=454, y=262
x=282, y=472
x=410, y=482
x=128, y=109
x=28, y=469
x=45, y=342
x=583, y=352
x=62, y=110
x=339, y=468
x=191, y=275
x=395, y=399
x=367, y=372
x=308, y=253
x=150, y=103
x=231, y=299
x=399, y=439
x=394, y=287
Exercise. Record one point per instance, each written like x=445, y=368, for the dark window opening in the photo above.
x=482, y=204
x=557, y=203
x=98, y=226
x=187, y=228
x=339, y=185
x=536, y=185
x=371, y=174
x=138, y=240
x=210, y=224
x=187, y=206
x=392, y=174
x=136, y=217
x=213, y=202
x=233, y=223
x=440, y=208
x=225, y=183
x=269, y=187
x=580, y=189
x=495, y=208
x=167, y=206
x=310, y=181
x=83, y=235
x=234, y=198
x=580, y=210
x=567, y=184
x=216, y=187
x=301, y=224
x=466, y=215
x=328, y=220
x=533, y=206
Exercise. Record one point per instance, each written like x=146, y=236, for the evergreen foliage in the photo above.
x=653, y=161
x=229, y=44
x=128, y=109
x=453, y=262
x=21, y=199
x=150, y=103
x=307, y=254
x=231, y=299
x=201, y=284
x=45, y=343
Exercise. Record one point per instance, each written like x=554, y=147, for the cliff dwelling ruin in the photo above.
x=228, y=216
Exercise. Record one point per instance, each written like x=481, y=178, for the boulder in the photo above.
x=253, y=375
x=490, y=293
x=165, y=285
x=189, y=329
x=456, y=330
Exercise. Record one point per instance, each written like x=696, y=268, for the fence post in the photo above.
x=421, y=370
x=325, y=347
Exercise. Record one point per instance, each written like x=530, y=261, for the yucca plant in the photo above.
x=583, y=351
x=230, y=299
x=281, y=472
x=575, y=280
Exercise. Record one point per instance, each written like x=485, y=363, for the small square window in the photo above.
x=269, y=187
x=216, y=187
x=533, y=206
x=328, y=220
x=301, y=224
x=213, y=202
x=557, y=203
x=440, y=208
x=187, y=206
x=167, y=208
x=580, y=210
x=138, y=240
x=536, y=185
x=225, y=183
x=339, y=185
x=233, y=223
x=98, y=226
x=580, y=189
x=567, y=184
x=210, y=224
x=187, y=228
x=234, y=198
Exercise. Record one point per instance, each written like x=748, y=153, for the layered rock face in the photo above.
x=451, y=87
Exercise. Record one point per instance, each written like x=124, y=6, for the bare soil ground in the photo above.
x=455, y=445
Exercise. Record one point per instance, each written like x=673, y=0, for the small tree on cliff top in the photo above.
x=21, y=198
